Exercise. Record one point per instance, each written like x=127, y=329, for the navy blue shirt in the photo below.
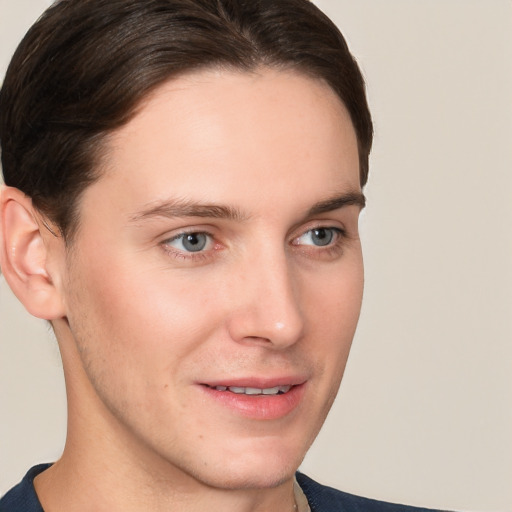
x=23, y=498
x=327, y=499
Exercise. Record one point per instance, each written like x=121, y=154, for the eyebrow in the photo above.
x=177, y=208
x=337, y=202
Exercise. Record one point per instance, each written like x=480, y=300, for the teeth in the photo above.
x=277, y=390
x=271, y=391
x=238, y=391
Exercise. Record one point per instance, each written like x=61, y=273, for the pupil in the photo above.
x=194, y=242
x=322, y=236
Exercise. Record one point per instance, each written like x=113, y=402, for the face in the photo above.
x=214, y=285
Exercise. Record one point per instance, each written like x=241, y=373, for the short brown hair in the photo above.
x=85, y=65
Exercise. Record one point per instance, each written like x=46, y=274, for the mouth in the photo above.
x=271, y=401
x=273, y=391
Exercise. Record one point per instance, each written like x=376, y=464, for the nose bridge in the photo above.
x=269, y=306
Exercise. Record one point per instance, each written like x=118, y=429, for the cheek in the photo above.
x=334, y=297
x=145, y=319
x=333, y=313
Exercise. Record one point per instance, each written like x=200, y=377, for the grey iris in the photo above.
x=194, y=242
x=322, y=236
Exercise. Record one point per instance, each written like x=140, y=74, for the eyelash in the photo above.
x=184, y=255
x=334, y=248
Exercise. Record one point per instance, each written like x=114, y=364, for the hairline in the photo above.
x=100, y=158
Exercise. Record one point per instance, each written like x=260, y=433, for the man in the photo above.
x=183, y=185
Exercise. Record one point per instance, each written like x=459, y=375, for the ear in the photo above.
x=24, y=255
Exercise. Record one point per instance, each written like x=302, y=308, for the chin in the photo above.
x=254, y=478
x=257, y=470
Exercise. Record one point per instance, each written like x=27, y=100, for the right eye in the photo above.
x=190, y=242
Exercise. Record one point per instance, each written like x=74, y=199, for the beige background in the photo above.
x=425, y=411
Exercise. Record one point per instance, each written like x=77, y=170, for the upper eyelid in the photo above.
x=297, y=232
x=177, y=233
x=189, y=232
x=320, y=224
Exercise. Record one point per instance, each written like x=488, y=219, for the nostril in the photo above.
x=258, y=338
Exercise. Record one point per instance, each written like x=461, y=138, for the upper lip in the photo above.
x=256, y=382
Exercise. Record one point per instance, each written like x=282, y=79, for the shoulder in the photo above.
x=23, y=497
x=327, y=499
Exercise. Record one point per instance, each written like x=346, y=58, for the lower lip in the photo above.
x=259, y=407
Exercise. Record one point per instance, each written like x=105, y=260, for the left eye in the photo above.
x=318, y=236
x=190, y=242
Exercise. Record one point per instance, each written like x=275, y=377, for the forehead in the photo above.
x=211, y=134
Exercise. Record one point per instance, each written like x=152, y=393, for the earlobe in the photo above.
x=24, y=256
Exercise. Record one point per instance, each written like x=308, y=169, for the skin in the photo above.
x=143, y=323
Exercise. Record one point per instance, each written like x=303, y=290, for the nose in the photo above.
x=268, y=307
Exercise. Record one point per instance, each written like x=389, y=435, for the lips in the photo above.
x=257, y=399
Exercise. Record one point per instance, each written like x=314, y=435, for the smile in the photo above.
x=271, y=401
x=276, y=390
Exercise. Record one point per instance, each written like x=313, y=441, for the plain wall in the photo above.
x=424, y=414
